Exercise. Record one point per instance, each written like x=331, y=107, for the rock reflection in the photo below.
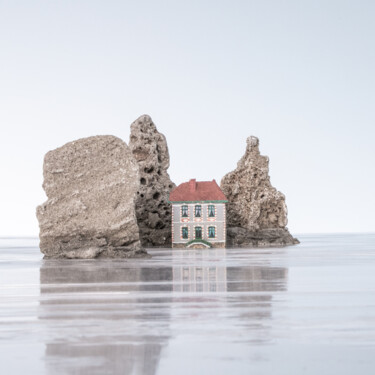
x=252, y=289
x=99, y=316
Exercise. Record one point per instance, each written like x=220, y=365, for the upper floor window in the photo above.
x=211, y=232
x=198, y=211
x=185, y=233
x=211, y=210
x=184, y=211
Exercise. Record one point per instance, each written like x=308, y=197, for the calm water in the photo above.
x=307, y=309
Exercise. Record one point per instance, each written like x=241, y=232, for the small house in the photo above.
x=198, y=215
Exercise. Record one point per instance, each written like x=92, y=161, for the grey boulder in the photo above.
x=91, y=185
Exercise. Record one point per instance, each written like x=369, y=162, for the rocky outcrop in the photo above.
x=256, y=211
x=276, y=237
x=91, y=185
x=150, y=150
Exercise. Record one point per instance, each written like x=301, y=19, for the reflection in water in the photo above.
x=248, y=289
x=207, y=271
x=100, y=316
x=193, y=271
x=255, y=285
x=117, y=315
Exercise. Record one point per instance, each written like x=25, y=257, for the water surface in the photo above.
x=303, y=309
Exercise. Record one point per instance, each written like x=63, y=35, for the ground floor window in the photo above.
x=211, y=232
x=198, y=232
x=185, y=233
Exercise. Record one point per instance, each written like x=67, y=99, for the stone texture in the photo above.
x=149, y=148
x=90, y=185
x=256, y=211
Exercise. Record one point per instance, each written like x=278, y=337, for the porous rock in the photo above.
x=90, y=184
x=150, y=150
x=256, y=211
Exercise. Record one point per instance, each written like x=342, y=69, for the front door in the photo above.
x=198, y=233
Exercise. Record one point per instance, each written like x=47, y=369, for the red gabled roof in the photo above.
x=194, y=191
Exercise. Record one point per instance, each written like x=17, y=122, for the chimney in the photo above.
x=192, y=185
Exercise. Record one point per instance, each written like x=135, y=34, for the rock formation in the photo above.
x=256, y=211
x=91, y=185
x=149, y=148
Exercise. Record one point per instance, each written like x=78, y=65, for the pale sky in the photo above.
x=299, y=75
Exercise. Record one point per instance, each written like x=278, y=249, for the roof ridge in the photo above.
x=203, y=191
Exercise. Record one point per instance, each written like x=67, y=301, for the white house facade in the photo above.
x=198, y=215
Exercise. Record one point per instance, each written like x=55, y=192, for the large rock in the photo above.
x=149, y=148
x=256, y=211
x=90, y=212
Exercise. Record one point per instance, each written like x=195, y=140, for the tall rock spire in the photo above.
x=150, y=150
x=255, y=207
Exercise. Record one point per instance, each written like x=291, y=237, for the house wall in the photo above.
x=219, y=221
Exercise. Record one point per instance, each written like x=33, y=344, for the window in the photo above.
x=198, y=211
x=198, y=232
x=211, y=210
x=184, y=211
x=185, y=233
x=211, y=232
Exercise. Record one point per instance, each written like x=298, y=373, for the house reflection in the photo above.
x=197, y=271
x=209, y=271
